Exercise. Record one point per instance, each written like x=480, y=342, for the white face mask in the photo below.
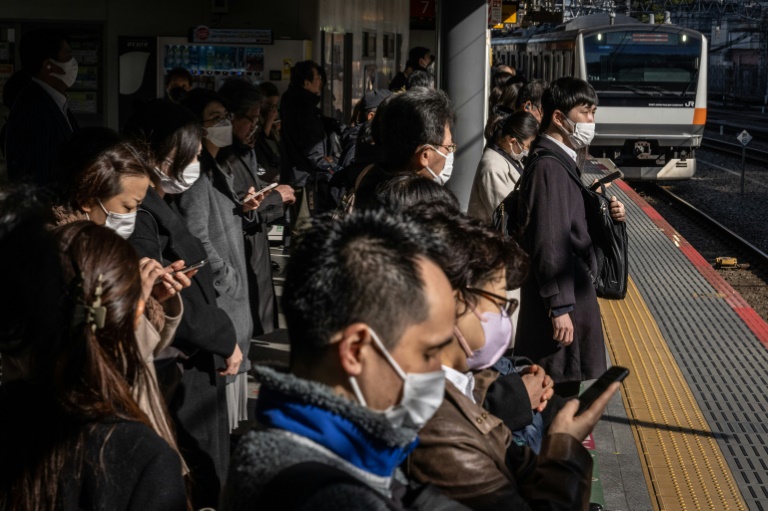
x=582, y=135
x=221, y=134
x=122, y=223
x=445, y=174
x=517, y=156
x=422, y=394
x=188, y=177
x=70, y=72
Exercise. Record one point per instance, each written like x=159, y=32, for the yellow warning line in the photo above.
x=682, y=463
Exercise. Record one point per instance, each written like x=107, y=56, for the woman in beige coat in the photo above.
x=508, y=139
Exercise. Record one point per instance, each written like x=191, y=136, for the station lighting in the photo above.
x=599, y=37
x=685, y=37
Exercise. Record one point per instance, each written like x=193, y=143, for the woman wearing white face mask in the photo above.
x=508, y=140
x=215, y=214
x=108, y=182
x=205, y=343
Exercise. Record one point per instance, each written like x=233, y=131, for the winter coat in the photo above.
x=205, y=338
x=560, y=248
x=495, y=177
x=261, y=290
x=468, y=453
x=36, y=130
x=303, y=137
x=264, y=454
x=213, y=214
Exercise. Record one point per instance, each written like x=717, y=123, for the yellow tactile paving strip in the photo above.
x=683, y=465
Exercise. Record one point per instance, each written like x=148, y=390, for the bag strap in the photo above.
x=292, y=487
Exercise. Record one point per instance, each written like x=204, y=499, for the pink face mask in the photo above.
x=498, y=330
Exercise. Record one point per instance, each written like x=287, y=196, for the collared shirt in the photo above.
x=464, y=382
x=60, y=99
x=570, y=152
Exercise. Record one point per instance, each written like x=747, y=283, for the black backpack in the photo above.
x=609, y=239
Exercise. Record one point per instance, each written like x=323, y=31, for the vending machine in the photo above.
x=144, y=62
x=213, y=64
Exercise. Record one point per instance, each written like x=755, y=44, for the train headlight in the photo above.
x=600, y=37
x=685, y=37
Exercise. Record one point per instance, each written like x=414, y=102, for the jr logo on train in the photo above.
x=651, y=81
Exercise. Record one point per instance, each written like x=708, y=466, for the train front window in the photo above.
x=643, y=62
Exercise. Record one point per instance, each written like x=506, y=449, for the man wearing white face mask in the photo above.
x=559, y=325
x=40, y=120
x=413, y=130
x=368, y=315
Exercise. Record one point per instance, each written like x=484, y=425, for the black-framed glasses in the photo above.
x=510, y=304
x=252, y=120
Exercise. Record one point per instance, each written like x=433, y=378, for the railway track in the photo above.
x=745, y=250
x=752, y=156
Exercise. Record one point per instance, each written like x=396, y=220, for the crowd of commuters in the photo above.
x=142, y=272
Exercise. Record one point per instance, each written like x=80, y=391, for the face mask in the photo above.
x=221, y=134
x=70, y=72
x=517, y=157
x=422, y=394
x=122, y=223
x=582, y=135
x=498, y=330
x=445, y=175
x=188, y=177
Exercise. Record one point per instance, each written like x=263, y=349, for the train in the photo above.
x=651, y=83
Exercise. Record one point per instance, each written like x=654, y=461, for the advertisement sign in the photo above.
x=509, y=16
x=203, y=34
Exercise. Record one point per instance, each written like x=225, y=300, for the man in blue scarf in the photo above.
x=368, y=316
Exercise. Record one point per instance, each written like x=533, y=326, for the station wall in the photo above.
x=288, y=19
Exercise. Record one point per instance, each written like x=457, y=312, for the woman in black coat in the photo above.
x=205, y=343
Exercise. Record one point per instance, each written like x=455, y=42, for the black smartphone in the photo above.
x=606, y=179
x=614, y=374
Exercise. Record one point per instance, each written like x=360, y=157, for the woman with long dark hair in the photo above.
x=169, y=138
x=77, y=437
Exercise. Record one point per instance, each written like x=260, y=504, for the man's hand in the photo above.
x=252, y=200
x=233, y=363
x=563, y=329
x=617, y=210
x=286, y=192
x=579, y=426
x=538, y=385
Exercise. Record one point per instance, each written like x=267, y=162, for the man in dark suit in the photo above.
x=559, y=326
x=40, y=120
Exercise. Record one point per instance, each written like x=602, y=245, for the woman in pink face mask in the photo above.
x=470, y=451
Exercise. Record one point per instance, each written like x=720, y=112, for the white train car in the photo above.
x=651, y=81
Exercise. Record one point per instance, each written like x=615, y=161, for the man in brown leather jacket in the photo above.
x=466, y=451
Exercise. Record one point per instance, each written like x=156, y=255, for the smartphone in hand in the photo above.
x=614, y=374
x=605, y=180
x=260, y=192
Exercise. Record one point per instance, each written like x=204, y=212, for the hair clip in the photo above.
x=95, y=314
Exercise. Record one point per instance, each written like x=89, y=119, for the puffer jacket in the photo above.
x=468, y=453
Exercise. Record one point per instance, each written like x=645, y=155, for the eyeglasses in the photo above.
x=217, y=118
x=451, y=147
x=510, y=304
x=271, y=107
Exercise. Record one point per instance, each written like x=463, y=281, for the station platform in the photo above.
x=689, y=430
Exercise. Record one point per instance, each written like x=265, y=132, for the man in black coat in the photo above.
x=306, y=164
x=559, y=326
x=40, y=120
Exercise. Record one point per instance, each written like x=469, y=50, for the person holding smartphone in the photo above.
x=206, y=341
x=214, y=212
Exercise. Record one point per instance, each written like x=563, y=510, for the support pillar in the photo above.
x=464, y=44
